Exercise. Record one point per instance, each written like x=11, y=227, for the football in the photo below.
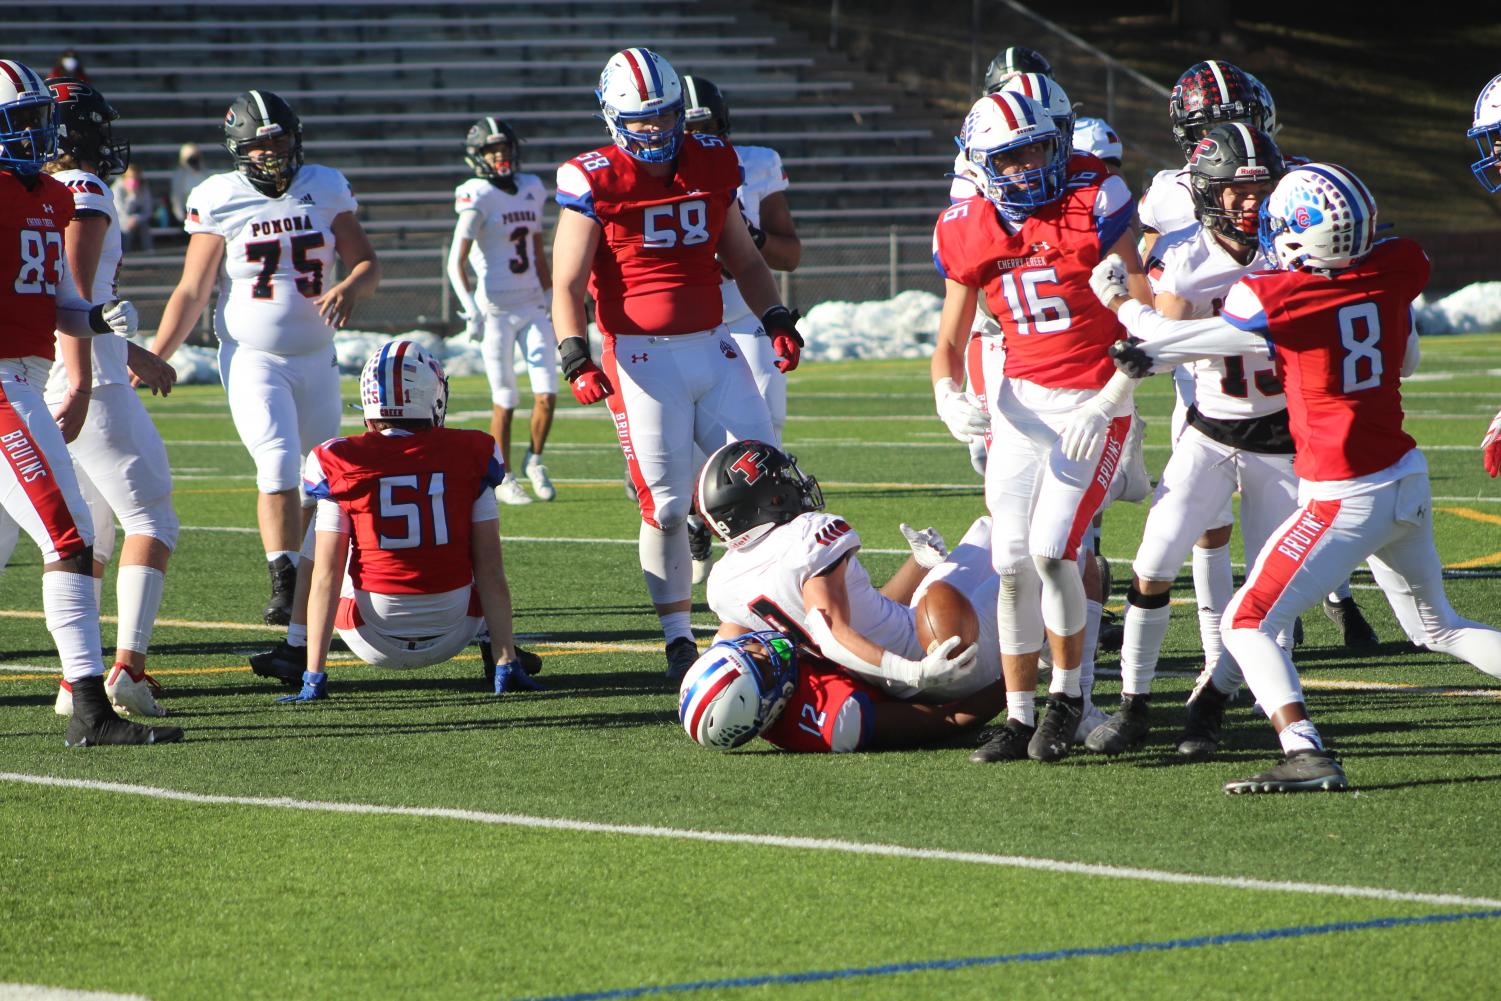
x=943, y=612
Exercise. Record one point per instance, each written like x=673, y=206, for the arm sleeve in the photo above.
x=314, y=480
x=574, y=191
x=1113, y=212
x=331, y=517
x=776, y=175
x=1177, y=342
x=1414, y=351
x=485, y=508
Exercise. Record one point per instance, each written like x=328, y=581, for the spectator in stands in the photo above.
x=185, y=178
x=134, y=205
x=68, y=64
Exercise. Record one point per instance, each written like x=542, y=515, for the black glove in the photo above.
x=1131, y=359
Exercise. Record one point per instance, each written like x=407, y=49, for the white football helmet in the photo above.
x=637, y=83
x=402, y=381
x=996, y=128
x=1320, y=216
x=1486, y=131
x=28, y=119
x=729, y=696
x=1050, y=95
x=1095, y=137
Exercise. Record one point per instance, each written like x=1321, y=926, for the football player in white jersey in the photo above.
x=499, y=234
x=1485, y=129
x=792, y=568
x=266, y=235
x=118, y=455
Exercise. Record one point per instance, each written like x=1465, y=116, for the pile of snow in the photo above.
x=903, y=327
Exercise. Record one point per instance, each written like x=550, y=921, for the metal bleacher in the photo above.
x=387, y=88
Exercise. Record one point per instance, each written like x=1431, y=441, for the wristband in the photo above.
x=781, y=320
x=97, y=323
x=758, y=236
x=573, y=353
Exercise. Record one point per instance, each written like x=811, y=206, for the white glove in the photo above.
x=1108, y=279
x=939, y=667
x=122, y=317
x=960, y=411
x=474, y=325
x=928, y=547
x=1085, y=433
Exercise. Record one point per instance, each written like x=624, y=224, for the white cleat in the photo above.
x=701, y=570
x=64, y=704
x=1093, y=717
x=511, y=491
x=537, y=473
x=129, y=696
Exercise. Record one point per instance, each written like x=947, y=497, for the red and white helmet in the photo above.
x=1485, y=129
x=28, y=119
x=1051, y=95
x=637, y=83
x=402, y=381
x=1320, y=216
x=737, y=688
x=1095, y=137
x=1007, y=121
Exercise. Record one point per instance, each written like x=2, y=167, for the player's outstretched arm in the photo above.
x=200, y=272
x=330, y=555
x=458, y=274
x=574, y=243
x=362, y=271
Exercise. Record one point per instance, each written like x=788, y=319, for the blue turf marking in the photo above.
x=888, y=969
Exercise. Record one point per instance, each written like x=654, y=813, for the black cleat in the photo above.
x=1353, y=627
x=285, y=663
x=1054, y=736
x=96, y=724
x=1007, y=742
x=278, y=611
x=530, y=662
x=1126, y=730
x=1300, y=771
x=1297, y=632
x=1112, y=631
x=1205, y=723
x=681, y=653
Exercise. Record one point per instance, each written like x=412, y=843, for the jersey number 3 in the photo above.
x=309, y=270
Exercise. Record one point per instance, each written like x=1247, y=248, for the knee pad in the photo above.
x=1019, y=611
x=671, y=514
x=156, y=520
x=1062, y=595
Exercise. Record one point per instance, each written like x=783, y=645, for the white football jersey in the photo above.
x=762, y=175
x=761, y=586
x=92, y=194
x=1168, y=205
x=502, y=226
x=278, y=256
x=1195, y=267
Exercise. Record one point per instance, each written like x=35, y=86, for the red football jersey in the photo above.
x=807, y=723
x=1036, y=281
x=655, y=270
x=1340, y=341
x=32, y=221
x=410, y=500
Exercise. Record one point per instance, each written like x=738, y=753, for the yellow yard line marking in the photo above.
x=1472, y=514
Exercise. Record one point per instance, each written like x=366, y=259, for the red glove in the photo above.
x=1490, y=447
x=780, y=325
x=590, y=384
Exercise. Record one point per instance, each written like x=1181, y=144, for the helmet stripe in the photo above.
x=261, y=104
x=700, y=705
x=1245, y=136
x=396, y=398
x=380, y=373
x=494, y=127
x=1219, y=79
x=649, y=59
x=692, y=85
x=15, y=78
x=631, y=60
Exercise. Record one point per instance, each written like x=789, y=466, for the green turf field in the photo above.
x=415, y=837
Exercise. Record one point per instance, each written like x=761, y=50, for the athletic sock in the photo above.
x=1214, y=586
x=73, y=620
x=1300, y=736
x=1022, y=707
x=290, y=554
x=1144, y=629
x=675, y=625
x=1092, y=611
x=297, y=634
x=138, y=593
x=1064, y=682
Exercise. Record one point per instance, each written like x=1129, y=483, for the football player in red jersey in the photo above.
x=1045, y=217
x=645, y=219
x=409, y=509
x=37, y=485
x=1337, y=314
x=1486, y=131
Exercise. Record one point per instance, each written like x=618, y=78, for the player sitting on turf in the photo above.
x=794, y=569
x=409, y=508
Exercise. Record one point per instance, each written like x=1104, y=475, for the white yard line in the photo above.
x=831, y=845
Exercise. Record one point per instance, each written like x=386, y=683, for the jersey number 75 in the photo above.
x=309, y=270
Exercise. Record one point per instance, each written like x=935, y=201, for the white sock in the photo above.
x=1300, y=736
x=99, y=593
x=1214, y=586
x=1092, y=610
x=297, y=634
x=1341, y=592
x=1022, y=707
x=292, y=555
x=1141, y=645
x=666, y=563
x=73, y=620
x=138, y=592
x=1064, y=682
x=675, y=625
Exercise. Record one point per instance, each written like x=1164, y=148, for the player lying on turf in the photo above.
x=409, y=509
x=1337, y=314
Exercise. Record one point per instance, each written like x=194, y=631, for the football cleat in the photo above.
x=1205, y=722
x=1127, y=729
x=542, y=486
x=95, y=724
x=285, y=663
x=278, y=611
x=681, y=653
x=1007, y=742
x=1355, y=631
x=1300, y=771
x=1054, y=735
x=1093, y=717
x=131, y=696
x=511, y=491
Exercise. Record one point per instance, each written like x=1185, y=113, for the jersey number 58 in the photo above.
x=663, y=223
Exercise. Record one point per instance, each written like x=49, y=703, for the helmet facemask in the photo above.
x=1016, y=189
x=28, y=135
x=660, y=146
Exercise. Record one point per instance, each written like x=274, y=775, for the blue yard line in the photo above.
x=889, y=969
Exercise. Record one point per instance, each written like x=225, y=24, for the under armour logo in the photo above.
x=638, y=358
x=1038, y=248
x=46, y=208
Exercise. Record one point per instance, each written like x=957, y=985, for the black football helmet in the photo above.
x=1011, y=61
x=83, y=127
x=492, y=132
x=747, y=488
x=1210, y=93
x=705, y=109
x=1232, y=154
x=254, y=116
